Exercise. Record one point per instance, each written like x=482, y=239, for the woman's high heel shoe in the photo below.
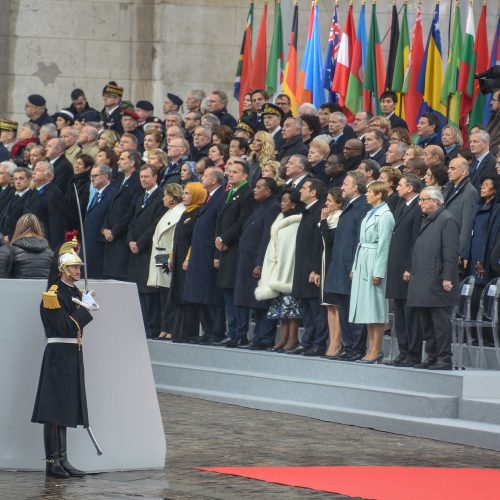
x=374, y=361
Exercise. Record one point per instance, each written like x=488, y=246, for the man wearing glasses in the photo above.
x=433, y=278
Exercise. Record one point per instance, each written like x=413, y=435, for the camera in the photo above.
x=489, y=80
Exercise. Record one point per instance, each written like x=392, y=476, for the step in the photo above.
x=480, y=410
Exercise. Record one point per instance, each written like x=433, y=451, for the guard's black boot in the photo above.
x=63, y=455
x=53, y=467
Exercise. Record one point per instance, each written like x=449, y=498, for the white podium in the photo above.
x=122, y=402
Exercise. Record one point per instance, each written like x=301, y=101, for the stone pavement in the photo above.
x=207, y=434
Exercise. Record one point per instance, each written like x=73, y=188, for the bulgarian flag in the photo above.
x=290, y=76
x=258, y=78
x=275, y=66
x=344, y=61
x=467, y=65
x=245, y=61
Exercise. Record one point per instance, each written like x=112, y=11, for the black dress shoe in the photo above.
x=204, y=339
x=425, y=364
x=395, y=361
x=344, y=355
x=406, y=363
x=440, y=365
x=232, y=343
x=355, y=356
x=315, y=351
x=297, y=350
x=223, y=342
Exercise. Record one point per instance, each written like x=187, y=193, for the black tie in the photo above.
x=473, y=167
x=146, y=198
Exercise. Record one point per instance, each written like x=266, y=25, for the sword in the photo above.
x=84, y=250
x=96, y=444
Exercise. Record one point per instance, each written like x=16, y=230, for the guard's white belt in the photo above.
x=61, y=340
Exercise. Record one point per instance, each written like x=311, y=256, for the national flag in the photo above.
x=290, y=76
x=354, y=97
x=304, y=95
x=430, y=78
x=258, y=78
x=413, y=98
x=467, y=65
x=374, y=80
x=393, y=47
x=245, y=60
x=450, y=97
x=276, y=64
x=482, y=60
x=344, y=60
x=314, y=71
x=331, y=54
x=494, y=60
x=401, y=62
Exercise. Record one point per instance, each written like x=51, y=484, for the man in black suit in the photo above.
x=395, y=155
x=63, y=169
x=388, y=102
x=484, y=163
x=427, y=130
x=296, y=171
x=307, y=271
x=16, y=205
x=119, y=215
x=47, y=203
x=148, y=211
x=292, y=139
x=354, y=153
x=236, y=209
x=100, y=177
x=336, y=125
x=374, y=145
x=6, y=191
x=370, y=169
x=408, y=219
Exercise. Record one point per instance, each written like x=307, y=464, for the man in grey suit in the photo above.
x=433, y=278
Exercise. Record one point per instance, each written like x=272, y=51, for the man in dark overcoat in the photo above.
x=433, y=287
x=119, y=216
x=292, y=139
x=100, y=177
x=338, y=276
x=254, y=239
x=201, y=276
x=307, y=271
x=408, y=219
x=238, y=205
x=148, y=211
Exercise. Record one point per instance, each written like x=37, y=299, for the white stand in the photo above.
x=123, y=406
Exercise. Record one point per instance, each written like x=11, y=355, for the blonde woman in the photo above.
x=272, y=169
x=263, y=150
x=108, y=139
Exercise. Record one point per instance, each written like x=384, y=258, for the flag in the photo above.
x=290, y=76
x=314, y=71
x=430, y=78
x=354, y=97
x=467, y=65
x=413, y=98
x=393, y=47
x=494, y=60
x=401, y=62
x=304, y=95
x=374, y=80
x=258, y=73
x=275, y=66
x=245, y=60
x=449, y=94
x=331, y=54
x=344, y=60
x=481, y=50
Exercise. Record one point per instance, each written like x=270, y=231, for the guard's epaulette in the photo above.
x=49, y=298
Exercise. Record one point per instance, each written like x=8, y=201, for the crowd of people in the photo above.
x=304, y=219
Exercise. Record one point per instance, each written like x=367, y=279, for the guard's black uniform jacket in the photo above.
x=61, y=398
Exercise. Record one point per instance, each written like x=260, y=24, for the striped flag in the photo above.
x=245, y=60
x=494, y=60
x=393, y=47
x=304, y=95
x=401, y=62
x=467, y=65
x=258, y=74
x=275, y=66
x=331, y=54
x=344, y=61
x=290, y=76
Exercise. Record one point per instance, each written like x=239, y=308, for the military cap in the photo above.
x=89, y=116
x=175, y=99
x=245, y=125
x=145, y=105
x=272, y=109
x=154, y=119
x=66, y=115
x=36, y=100
x=112, y=88
x=8, y=124
x=130, y=112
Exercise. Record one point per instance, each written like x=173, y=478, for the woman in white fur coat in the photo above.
x=163, y=237
x=277, y=272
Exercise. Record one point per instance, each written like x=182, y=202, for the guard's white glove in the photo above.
x=87, y=301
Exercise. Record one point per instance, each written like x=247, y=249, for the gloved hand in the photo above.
x=88, y=300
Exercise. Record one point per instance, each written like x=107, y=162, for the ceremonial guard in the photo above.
x=61, y=401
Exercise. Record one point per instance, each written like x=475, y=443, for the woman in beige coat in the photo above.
x=159, y=275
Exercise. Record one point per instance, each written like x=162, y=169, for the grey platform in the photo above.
x=458, y=407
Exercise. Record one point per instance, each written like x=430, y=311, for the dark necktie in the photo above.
x=95, y=201
x=473, y=167
x=146, y=198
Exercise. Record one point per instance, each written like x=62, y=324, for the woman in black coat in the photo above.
x=83, y=166
x=185, y=321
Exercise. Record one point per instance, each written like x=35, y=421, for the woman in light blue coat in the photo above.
x=369, y=271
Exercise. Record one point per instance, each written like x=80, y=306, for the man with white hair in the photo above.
x=433, y=289
x=87, y=140
x=63, y=170
x=202, y=138
x=306, y=109
x=193, y=100
x=217, y=104
x=70, y=136
x=47, y=203
x=395, y=154
x=336, y=123
x=484, y=162
x=292, y=139
x=6, y=191
x=47, y=132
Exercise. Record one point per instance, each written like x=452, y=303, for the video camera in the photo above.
x=489, y=80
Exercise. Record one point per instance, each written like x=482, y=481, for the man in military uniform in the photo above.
x=61, y=400
x=111, y=114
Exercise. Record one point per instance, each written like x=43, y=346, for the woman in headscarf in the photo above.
x=185, y=324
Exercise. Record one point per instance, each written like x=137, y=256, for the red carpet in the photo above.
x=381, y=483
